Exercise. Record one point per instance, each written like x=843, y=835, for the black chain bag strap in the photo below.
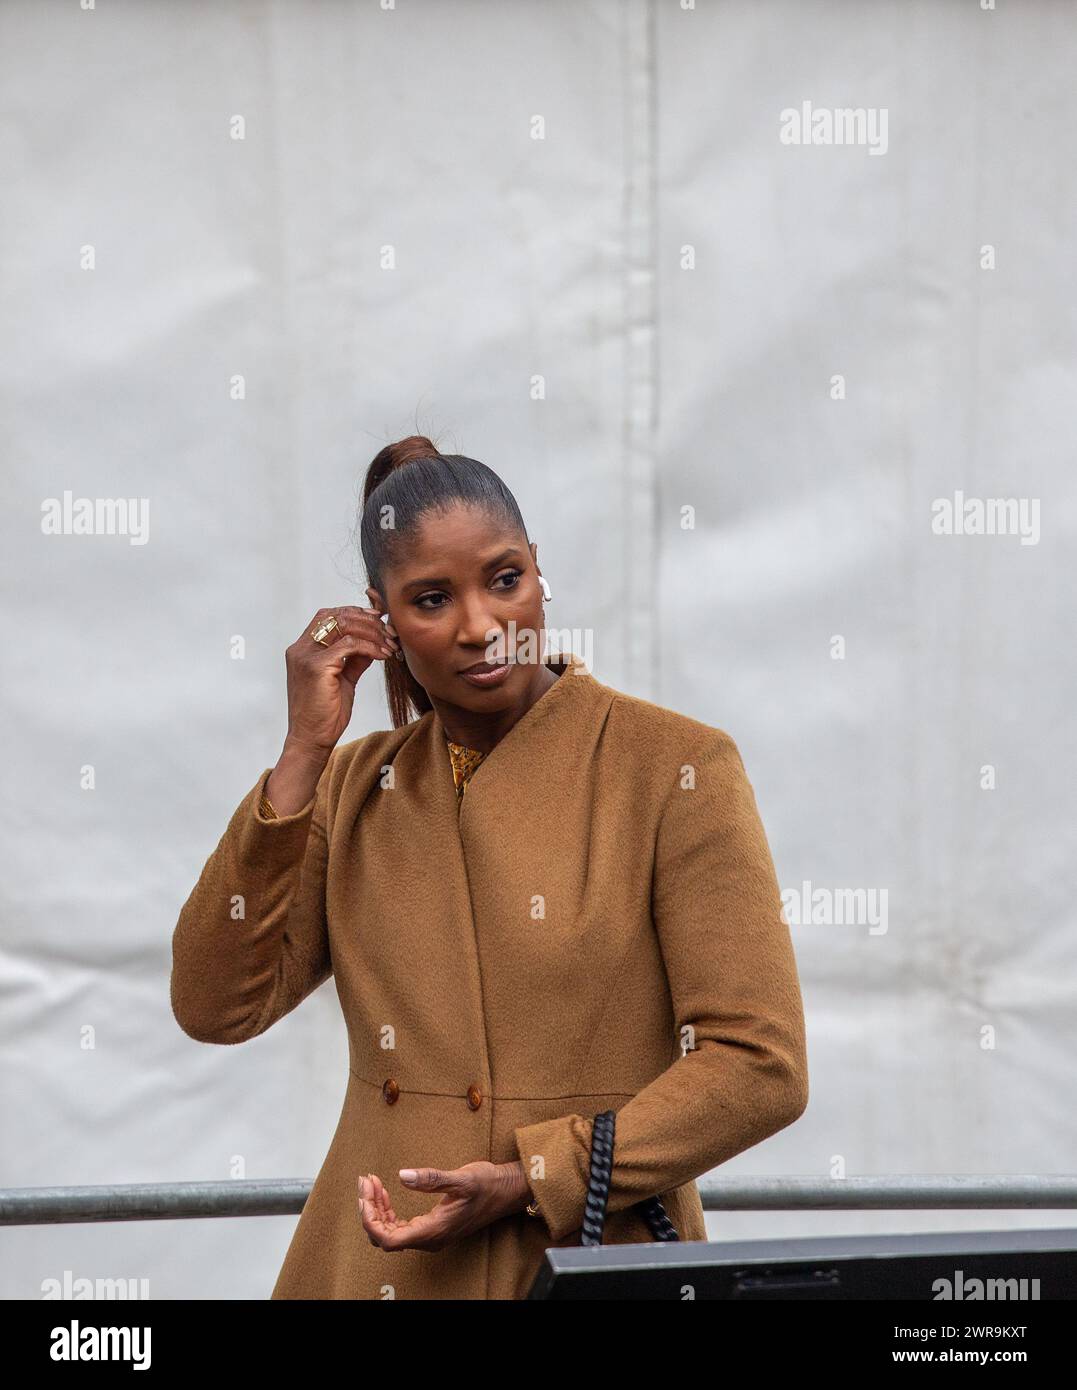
x=598, y=1189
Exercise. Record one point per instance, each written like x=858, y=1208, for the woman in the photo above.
x=539, y=899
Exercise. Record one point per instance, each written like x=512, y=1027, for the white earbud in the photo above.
x=545, y=588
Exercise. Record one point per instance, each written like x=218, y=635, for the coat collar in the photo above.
x=528, y=749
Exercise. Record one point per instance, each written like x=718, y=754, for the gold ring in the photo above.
x=323, y=629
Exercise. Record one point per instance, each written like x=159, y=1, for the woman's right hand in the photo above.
x=321, y=678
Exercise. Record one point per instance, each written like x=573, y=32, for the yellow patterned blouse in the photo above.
x=464, y=762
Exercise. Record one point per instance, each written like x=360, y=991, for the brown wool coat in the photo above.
x=585, y=930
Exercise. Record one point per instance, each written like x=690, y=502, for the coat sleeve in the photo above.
x=737, y=1008
x=252, y=939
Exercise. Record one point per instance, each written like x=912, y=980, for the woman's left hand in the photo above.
x=475, y=1195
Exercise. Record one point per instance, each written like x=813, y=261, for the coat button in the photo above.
x=390, y=1091
x=474, y=1097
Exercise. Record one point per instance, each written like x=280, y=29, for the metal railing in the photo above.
x=172, y=1201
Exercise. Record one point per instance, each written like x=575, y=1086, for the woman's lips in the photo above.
x=486, y=673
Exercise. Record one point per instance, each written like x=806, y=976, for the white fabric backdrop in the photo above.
x=564, y=259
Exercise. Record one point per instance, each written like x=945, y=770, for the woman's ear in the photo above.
x=379, y=607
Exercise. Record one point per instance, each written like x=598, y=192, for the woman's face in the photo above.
x=464, y=580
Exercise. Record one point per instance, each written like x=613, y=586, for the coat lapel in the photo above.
x=529, y=754
x=538, y=917
x=449, y=887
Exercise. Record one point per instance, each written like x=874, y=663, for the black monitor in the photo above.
x=959, y=1266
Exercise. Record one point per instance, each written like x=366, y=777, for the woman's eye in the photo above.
x=514, y=576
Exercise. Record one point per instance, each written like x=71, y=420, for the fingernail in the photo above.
x=408, y=1174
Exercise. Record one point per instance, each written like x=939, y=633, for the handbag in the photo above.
x=598, y=1189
